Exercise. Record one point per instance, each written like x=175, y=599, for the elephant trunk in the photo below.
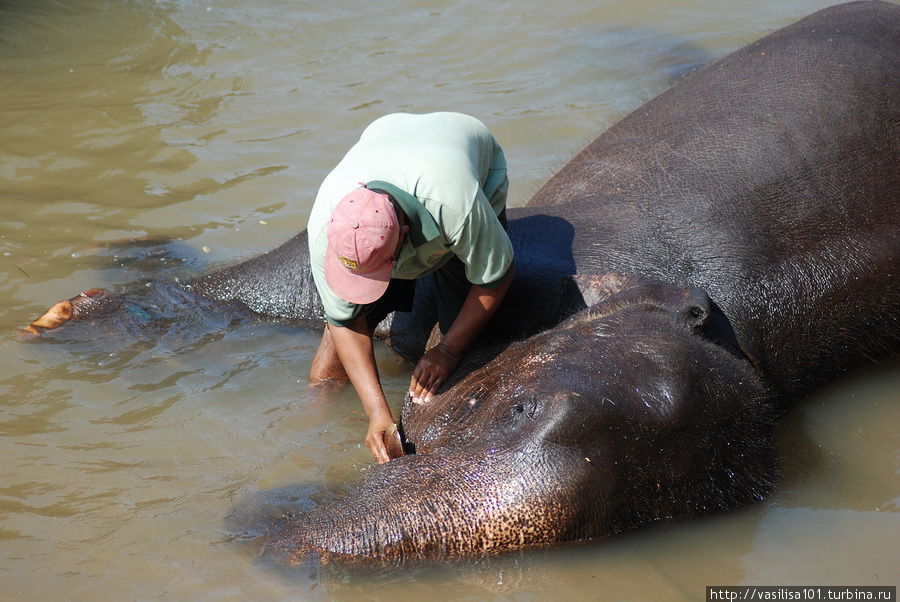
x=452, y=505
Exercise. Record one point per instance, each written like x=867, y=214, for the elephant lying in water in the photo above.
x=767, y=182
x=758, y=202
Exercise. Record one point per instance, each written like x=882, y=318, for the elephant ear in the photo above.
x=690, y=304
x=586, y=290
x=596, y=288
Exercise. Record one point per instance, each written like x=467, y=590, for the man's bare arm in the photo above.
x=354, y=348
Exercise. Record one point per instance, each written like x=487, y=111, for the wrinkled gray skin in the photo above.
x=719, y=252
x=767, y=182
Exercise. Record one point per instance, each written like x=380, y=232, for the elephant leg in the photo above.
x=91, y=303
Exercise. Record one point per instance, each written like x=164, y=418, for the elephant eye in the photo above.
x=526, y=407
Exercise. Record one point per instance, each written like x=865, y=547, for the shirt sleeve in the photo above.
x=483, y=245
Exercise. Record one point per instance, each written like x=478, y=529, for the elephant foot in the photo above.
x=90, y=302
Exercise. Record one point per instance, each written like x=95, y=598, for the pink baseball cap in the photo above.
x=362, y=236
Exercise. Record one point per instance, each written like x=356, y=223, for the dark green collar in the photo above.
x=422, y=227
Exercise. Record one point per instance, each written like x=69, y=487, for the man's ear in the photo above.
x=401, y=216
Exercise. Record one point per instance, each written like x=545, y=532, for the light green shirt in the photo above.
x=448, y=174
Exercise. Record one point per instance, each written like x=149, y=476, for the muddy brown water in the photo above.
x=212, y=122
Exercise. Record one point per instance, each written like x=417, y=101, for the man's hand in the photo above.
x=431, y=372
x=378, y=425
x=441, y=360
x=353, y=346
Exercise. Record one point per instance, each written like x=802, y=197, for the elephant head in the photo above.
x=642, y=407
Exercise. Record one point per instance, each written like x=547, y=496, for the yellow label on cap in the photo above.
x=348, y=262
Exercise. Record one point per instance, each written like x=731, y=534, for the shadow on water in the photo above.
x=655, y=57
x=145, y=257
x=652, y=51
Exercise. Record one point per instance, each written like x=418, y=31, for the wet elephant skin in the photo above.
x=758, y=201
